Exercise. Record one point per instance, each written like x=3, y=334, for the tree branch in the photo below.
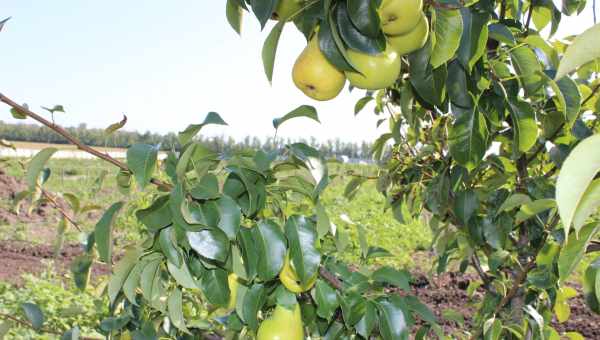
x=331, y=278
x=64, y=133
x=60, y=210
x=477, y=265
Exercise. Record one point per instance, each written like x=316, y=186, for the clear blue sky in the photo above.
x=164, y=64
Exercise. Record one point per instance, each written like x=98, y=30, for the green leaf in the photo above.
x=362, y=240
x=207, y=188
x=301, y=111
x=121, y=272
x=527, y=66
x=501, y=33
x=168, y=244
x=465, y=205
x=234, y=14
x=392, y=319
x=353, y=187
x=80, y=268
x=263, y=9
x=210, y=243
x=590, y=201
x=572, y=98
x=528, y=210
x=175, y=303
x=230, y=216
x=360, y=104
x=55, y=108
x=36, y=165
x=249, y=251
x=429, y=83
x=447, y=29
x=398, y=278
x=355, y=39
x=212, y=118
x=576, y=174
x=115, y=126
x=271, y=246
x=456, y=85
x=525, y=130
x=269, y=49
x=584, y=49
x=152, y=285
x=34, y=314
x=366, y=324
x=141, y=160
x=103, y=232
x=182, y=275
x=572, y=252
x=252, y=302
x=353, y=307
x=330, y=49
x=474, y=37
x=326, y=299
x=157, y=215
x=323, y=222
x=215, y=287
x=468, y=138
x=71, y=334
x=302, y=237
x=420, y=308
x=132, y=283
x=364, y=16
x=513, y=201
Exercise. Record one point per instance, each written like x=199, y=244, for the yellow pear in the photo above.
x=291, y=281
x=233, y=283
x=399, y=16
x=284, y=324
x=233, y=288
x=285, y=8
x=314, y=75
x=413, y=40
x=376, y=71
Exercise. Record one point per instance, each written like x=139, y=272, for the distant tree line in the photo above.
x=123, y=139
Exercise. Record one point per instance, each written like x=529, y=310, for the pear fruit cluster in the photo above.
x=406, y=29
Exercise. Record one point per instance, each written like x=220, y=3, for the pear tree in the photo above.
x=491, y=144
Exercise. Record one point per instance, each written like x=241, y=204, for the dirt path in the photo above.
x=20, y=257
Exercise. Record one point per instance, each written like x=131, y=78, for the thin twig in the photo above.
x=477, y=265
x=41, y=330
x=331, y=278
x=60, y=210
x=64, y=133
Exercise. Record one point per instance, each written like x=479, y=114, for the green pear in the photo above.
x=284, y=324
x=285, y=8
x=413, y=40
x=399, y=16
x=314, y=75
x=376, y=71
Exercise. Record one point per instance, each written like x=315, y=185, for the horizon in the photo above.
x=176, y=62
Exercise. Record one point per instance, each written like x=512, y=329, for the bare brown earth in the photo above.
x=449, y=291
x=441, y=293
